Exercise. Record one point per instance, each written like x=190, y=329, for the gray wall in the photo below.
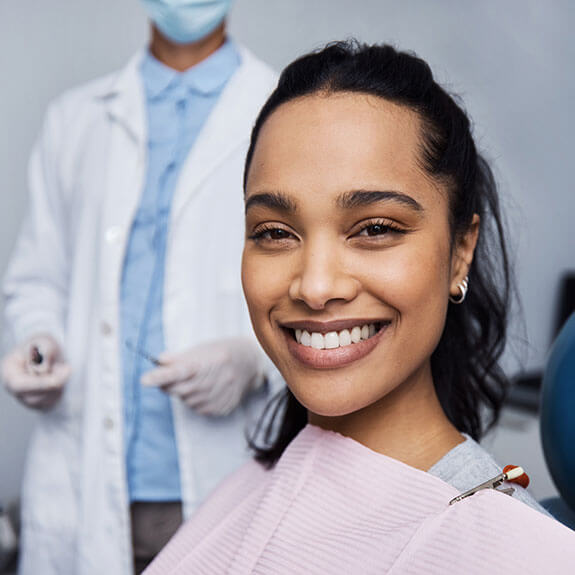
x=512, y=62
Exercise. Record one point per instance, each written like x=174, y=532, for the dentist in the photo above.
x=124, y=301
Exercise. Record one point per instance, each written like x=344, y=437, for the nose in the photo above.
x=322, y=277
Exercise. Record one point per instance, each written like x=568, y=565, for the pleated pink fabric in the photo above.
x=332, y=506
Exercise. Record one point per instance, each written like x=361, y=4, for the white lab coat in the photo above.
x=86, y=175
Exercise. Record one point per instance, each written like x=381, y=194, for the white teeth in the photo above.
x=344, y=337
x=333, y=339
x=317, y=340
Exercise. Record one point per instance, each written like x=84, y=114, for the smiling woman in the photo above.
x=381, y=155
x=370, y=217
x=361, y=265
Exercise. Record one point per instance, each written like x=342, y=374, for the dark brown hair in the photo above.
x=470, y=384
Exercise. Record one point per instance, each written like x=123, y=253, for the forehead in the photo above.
x=338, y=142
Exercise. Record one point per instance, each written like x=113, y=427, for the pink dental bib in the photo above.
x=332, y=506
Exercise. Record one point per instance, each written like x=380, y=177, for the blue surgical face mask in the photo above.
x=186, y=21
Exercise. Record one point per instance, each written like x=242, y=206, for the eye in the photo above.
x=275, y=234
x=379, y=228
x=374, y=230
x=271, y=234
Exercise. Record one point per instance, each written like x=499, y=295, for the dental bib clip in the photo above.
x=510, y=474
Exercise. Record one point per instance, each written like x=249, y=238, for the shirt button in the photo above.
x=105, y=328
x=113, y=234
x=108, y=423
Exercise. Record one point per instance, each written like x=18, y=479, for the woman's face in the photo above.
x=347, y=265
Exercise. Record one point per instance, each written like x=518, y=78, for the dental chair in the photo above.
x=558, y=423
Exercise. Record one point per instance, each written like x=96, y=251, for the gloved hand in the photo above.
x=212, y=378
x=35, y=372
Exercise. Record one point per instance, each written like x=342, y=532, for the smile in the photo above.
x=334, y=339
x=332, y=345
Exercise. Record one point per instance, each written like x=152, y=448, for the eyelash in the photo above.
x=388, y=228
x=267, y=229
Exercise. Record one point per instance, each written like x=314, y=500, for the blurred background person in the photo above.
x=119, y=260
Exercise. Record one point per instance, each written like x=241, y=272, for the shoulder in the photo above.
x=468, y=464
x=77, y=100
x=85, y=100
x=488, y=533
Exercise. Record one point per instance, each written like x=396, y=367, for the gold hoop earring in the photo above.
x=463, y=287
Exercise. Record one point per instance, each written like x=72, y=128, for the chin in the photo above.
x=325, y=403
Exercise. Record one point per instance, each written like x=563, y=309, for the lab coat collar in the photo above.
x=225, y=129
x=123, y=97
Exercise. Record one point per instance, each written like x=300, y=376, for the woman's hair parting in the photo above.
x=469, y=381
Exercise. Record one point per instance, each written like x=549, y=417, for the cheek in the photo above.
x=254, y=288
x=265, y=281
x=414, y=281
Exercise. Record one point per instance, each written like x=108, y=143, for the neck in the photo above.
x=408, y=424
x=180, y=57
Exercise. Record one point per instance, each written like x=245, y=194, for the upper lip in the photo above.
x=327, y=326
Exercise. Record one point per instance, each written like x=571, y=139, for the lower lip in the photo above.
x=332, y=358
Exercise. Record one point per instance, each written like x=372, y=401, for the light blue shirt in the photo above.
x=177, y=105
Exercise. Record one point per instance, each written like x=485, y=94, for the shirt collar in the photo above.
x=206, y=77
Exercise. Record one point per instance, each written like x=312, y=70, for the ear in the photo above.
x=463, y=255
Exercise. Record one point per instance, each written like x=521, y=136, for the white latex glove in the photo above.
x=212, y=378
x=36, y=380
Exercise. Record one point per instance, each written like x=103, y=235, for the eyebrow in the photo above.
x=359, y=198
x=348, y=200
x=273, y=200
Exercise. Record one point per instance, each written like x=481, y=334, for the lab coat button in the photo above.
x=106, y=328
x=108, y=423
x=113, y=234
